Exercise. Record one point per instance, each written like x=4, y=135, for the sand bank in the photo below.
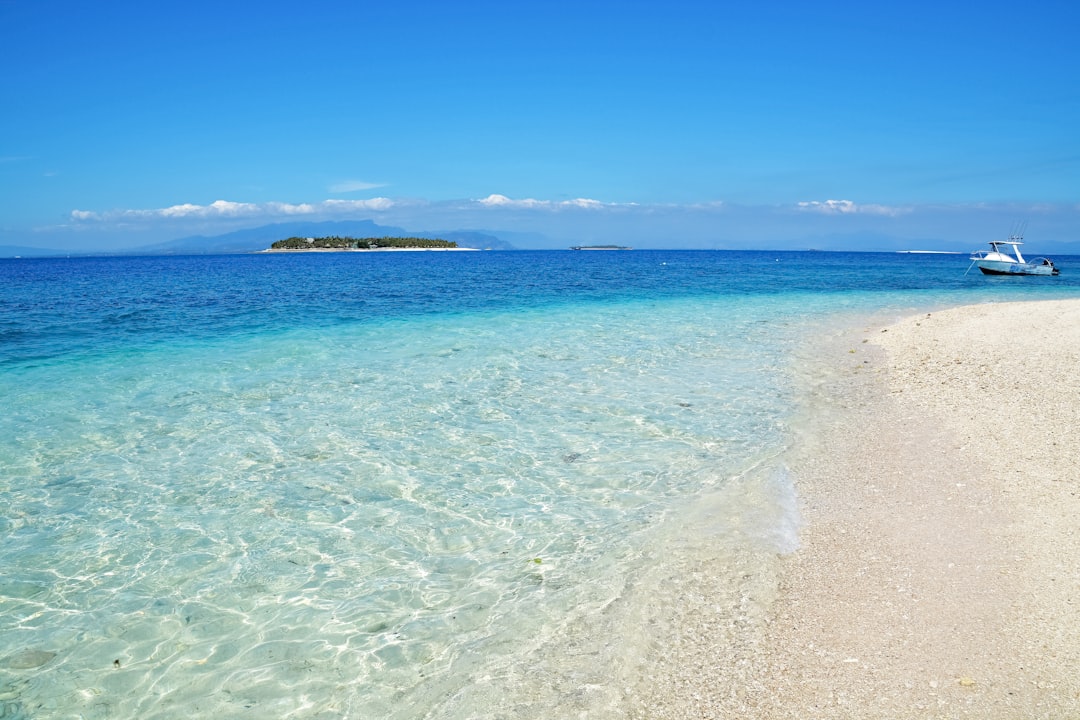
x=939, y=569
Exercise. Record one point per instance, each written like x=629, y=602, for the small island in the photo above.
x=600, y=247
x=344, y=244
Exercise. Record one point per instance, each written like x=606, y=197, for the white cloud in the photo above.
x=218, y=208
x=501, y=201
x=347, y=186
x=495, y=200
x=226, y=209
x=829, y=207
x=847, y=207
x=277, y=208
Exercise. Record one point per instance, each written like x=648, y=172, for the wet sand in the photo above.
x=938, y=573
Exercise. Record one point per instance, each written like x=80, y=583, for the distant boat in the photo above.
x=998, y=260
x=600, y=247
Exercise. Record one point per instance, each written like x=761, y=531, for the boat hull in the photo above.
x=997, y=267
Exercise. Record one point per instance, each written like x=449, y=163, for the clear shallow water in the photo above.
x=395, y=485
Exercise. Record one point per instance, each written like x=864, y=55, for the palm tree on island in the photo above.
x=335, y=242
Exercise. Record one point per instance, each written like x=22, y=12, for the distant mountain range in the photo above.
x=260, y=238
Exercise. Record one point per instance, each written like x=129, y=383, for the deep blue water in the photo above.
x=55, y=307
x=395, y=484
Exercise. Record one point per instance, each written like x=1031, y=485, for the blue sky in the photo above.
x=678, y=124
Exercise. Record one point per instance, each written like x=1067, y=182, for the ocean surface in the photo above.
x=399, y=485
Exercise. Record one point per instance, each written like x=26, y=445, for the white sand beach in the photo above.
x=938, y=574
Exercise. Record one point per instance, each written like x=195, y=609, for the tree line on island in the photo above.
x=335, y=242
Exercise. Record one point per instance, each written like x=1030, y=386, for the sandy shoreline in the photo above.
x=939, y=568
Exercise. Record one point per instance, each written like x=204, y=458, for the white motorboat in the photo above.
x=998, y=260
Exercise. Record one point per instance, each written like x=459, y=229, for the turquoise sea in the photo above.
x=399, y=485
